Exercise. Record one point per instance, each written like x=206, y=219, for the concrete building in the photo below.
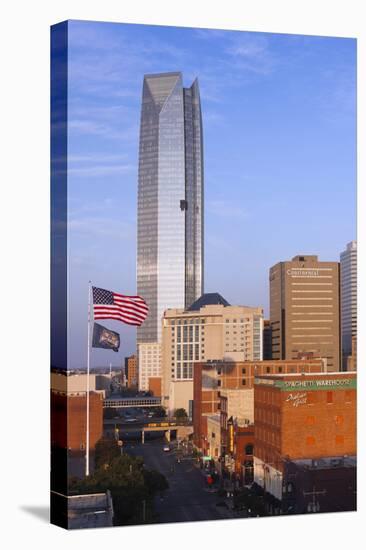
x=170, y=199
x=210, y=329
x=235, y=381
x=149, y=361
x=305, y=416
x=131, y=371
x=348, y=300
x=305, y=309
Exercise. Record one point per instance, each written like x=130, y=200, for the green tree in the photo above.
x=160, y=412
x=105, y=451
x=180, y=414
x=131, y=485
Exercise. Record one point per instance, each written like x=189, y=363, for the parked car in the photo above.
x=166, y=449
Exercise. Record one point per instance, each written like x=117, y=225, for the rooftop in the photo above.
x=210, y=299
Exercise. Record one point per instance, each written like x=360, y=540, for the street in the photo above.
x=188, y=497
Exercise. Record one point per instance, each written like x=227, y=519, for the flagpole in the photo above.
x=88, y=388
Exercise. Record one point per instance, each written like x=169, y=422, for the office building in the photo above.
x=348, y=300
x=305, y=309
x=267, y=340
x=209, y=329
x=170, y=199
x=298, y=417
x=149, y=360
x=131, y=371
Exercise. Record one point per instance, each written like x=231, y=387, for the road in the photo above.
x=188, y=498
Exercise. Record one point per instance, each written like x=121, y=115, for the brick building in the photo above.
x=235, y=380
x=131, y=371
x=306, y=416
x=155, y=386
x=68, y=420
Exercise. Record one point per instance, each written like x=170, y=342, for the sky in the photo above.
x=279, y=129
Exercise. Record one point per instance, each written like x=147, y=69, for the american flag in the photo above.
x=132, y=310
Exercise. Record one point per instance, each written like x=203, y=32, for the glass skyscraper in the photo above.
x=170, y=199
x=348, y=299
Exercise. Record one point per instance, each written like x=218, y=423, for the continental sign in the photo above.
x=312, y=385
x=307, y=272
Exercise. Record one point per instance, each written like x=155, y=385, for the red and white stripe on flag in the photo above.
x=132, y=310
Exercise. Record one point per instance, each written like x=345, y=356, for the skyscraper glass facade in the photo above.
x=170, y=199
x=348, y=299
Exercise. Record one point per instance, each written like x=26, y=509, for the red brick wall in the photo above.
x=68, y=420
x=322, y=424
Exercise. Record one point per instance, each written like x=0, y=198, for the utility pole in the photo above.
x=314, y=493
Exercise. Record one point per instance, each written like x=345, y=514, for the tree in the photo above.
x=181, y=414
x=105, y=451
x=160, y=412
x=132, y=487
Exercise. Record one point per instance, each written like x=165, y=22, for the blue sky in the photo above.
x=279, y=119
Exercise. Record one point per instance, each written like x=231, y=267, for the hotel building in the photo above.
x=210, y=329
x=305, y=309
x=149, y=364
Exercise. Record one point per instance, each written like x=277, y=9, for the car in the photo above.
x=131, y=419
x=166, y=449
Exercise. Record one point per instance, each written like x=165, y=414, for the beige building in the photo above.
x=214, y=436
x=149, y=363
x=211, y=329
x=305, y=309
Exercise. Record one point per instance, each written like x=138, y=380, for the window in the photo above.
x=243, y=382
x=243, y=371
x=268, y=370
x=249, y=449
x=338, y=419
x=310, y=440
x=329, y=397
x=348, y=396
x=279, y=369
x=339, y=439
x=310, y=420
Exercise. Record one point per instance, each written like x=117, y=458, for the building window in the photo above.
x=348, y=396
x=243, y=382
x=310, y=420
x=329, y=397
x=310, y=440
x=338, y=419
x=268, y=369
x=339, y=439
x=243, y=371
x=249, y=449
x=219, y=382
x=279, y=369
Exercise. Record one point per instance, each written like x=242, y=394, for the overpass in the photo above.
x=182, y=428
x=126, y=402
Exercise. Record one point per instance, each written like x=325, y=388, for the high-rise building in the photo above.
x=305, y=310
x=348, y=300
x=149, y=363
x=170, y=199
x=267, y=340
x=209, y=329
x=131, y=371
